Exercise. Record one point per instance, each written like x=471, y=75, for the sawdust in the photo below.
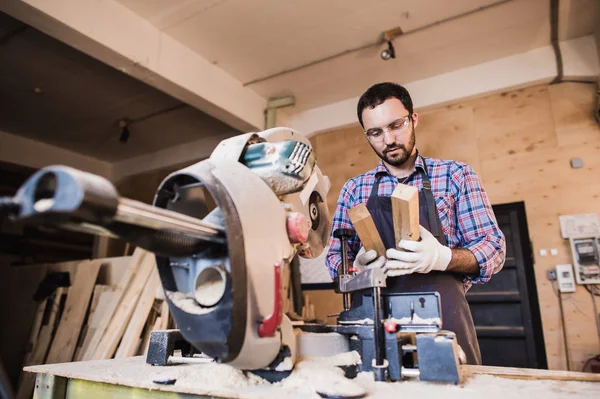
x=186, y=302
x=313, y=375
x=209, y=293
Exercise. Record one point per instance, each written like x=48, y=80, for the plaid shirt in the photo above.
x=462, y=204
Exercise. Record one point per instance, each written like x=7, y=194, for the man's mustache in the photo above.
x=392, y=148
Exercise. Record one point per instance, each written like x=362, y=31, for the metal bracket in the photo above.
x=369, y=278
x=48, y=386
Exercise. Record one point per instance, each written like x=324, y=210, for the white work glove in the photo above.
x=367, y=259
x=424, y=256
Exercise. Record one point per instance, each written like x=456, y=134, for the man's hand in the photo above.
x=367, y=259
x=424, y=256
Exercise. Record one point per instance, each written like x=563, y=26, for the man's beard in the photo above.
x=400, y=158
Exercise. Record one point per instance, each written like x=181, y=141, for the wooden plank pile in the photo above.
x=92, y=321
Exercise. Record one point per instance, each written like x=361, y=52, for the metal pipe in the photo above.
x=144, y=215
x=345, y=295
x=378, y=333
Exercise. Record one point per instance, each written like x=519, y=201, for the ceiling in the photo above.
x=55, y=94
x=256, y=39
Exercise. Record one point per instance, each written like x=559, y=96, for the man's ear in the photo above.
x=415, y=118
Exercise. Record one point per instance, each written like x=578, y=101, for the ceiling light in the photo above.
x=124, y=126
x=389, y=52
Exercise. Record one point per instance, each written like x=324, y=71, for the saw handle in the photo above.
x=269, y=325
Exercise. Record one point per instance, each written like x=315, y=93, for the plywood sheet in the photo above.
x=448, y=133
x=573, y=113
x=516, y=122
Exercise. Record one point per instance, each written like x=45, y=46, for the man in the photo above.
x=460, y=241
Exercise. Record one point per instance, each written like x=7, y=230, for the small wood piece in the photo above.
x=108, y=344
x=148, y=328
x=365, y=228
x=80, y=292
x=131, y=338
x=164, y=315
x=405, y=211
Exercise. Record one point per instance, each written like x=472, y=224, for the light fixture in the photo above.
x=388, y=36
x=124, y=126
x=389, y=52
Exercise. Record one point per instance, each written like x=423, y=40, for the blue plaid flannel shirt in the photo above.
x=463, y=207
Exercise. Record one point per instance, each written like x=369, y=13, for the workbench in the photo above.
x=132, y=377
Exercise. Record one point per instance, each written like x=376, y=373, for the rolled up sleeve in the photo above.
x=341, y=220
x=478, y=229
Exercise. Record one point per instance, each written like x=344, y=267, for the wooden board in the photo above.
x=365, y=228
x=38, y=354
x=114, y=332
x=529, y=374
x=405, y=211
x=130, y=340
x=108, y=307
x=69, y=327
x=103, y=304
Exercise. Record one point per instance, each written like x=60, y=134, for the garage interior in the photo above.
x=134, y=90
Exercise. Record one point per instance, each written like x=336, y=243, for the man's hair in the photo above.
x=380, y=92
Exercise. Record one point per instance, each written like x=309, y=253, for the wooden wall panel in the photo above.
x=520, y=143
x=449, y=134
x=512, y=123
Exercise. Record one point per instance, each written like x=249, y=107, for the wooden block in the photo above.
x=365, y=228
x=110, y=339
x=405, y=211
x=69, y=327
x=130, y=341
x=107, y=309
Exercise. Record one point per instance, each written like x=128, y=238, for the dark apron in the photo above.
x=456, y=315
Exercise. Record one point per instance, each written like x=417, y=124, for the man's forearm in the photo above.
x=464, y=262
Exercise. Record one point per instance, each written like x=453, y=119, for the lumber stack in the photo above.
x=108, y=311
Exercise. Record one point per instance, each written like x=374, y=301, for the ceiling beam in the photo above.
x=114, y=34
x=35, y=154
x=580, y=62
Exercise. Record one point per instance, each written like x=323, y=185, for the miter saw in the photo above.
x=223, y=230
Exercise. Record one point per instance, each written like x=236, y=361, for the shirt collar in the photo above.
x=381, y=168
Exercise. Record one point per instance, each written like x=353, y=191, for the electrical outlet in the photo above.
x=565, y=277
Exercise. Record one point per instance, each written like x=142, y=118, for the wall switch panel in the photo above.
x=565, y=277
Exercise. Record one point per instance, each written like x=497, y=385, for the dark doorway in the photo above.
x=506, y=309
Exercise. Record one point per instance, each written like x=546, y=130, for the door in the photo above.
x=506, y=309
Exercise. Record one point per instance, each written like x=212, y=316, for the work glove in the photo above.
x=418, y=256
x=368, y=259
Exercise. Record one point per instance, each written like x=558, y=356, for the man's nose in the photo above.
x=389, y=137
